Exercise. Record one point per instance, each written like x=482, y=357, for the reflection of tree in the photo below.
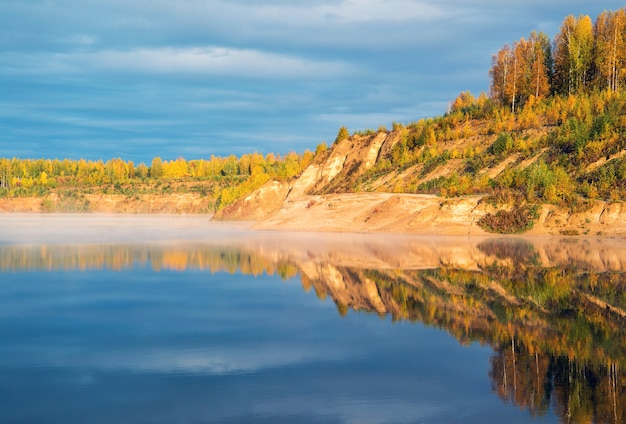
x=558, y=333
x=579, y=393
x=521, y=377
x=158, y=257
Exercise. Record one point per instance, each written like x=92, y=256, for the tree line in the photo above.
x=17, y=172
x=224, y=179
x=583, y=56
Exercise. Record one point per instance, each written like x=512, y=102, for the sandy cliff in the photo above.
x=320, y=200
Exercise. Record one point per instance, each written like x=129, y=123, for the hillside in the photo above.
x=555, y=167
x=545, y=152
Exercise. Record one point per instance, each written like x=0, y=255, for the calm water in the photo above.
x=177, y=320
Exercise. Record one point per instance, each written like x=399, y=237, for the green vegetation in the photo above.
x=553, y=129
x=562, y=150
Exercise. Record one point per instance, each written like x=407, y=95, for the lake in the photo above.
x=175, y=319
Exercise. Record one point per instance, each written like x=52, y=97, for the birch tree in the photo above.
x=501, y=74
x=538, y=73
x=573, y=54
x=610, y=49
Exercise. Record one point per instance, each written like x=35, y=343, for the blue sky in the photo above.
x=99, y=79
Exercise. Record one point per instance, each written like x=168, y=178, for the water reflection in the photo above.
x=553, y=310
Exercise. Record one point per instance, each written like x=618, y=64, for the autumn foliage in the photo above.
x=583, y=57
x=224, y=179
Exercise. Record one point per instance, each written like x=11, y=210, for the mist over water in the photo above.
x=103, y=228
x=175, y=318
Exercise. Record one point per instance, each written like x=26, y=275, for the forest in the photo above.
x=553, y=126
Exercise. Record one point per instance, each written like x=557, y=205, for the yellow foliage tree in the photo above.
x=573, y=54
x=610, y=48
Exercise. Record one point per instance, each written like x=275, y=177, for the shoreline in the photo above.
x=39, y=235
x=368, y=213
x=74, y=221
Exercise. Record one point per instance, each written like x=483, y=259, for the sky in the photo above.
x=136, y=79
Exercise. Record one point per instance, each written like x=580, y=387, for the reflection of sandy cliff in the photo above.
x=399, y=252
x=558, y=334
x=353, y=250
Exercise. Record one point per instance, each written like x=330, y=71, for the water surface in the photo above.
x=174, y=319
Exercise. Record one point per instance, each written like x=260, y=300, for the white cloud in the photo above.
x=222, y=360
x=225, y=61
x=213, y=60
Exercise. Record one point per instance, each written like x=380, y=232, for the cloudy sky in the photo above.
x=142, y=78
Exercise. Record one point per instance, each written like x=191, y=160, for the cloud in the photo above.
x=232, y=62
x=291, y=71
x=219, y=360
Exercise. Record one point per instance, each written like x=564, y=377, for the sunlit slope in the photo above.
x=546, y=146
x=559, y=162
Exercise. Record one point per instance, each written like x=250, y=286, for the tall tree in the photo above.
x=610, y=49
x=501, y=74
x=573, y=54
x=6, y=173
x=517, y=79
x=538, y=73
x=548, y=57
x=520, y=71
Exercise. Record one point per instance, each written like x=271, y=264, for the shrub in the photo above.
x=474, y=164
x=502, y=145
x=515, y=221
